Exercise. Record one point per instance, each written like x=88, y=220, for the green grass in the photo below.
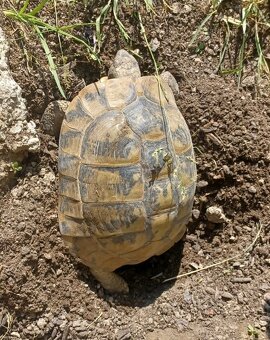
x=31, y=18
x=248, y=29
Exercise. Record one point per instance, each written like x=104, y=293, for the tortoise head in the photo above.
x=124, y=65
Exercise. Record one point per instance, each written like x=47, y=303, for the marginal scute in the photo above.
x=77, y=116
x=70, y=140
x=74, y=227
x=117, y=244
x=69, y=187
x=68, y=165
x=70, y=207
x=93, y=99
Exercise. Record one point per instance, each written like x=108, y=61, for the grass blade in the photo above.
x=25, y=5
x=202, y=24
x=39, y=7
x=50, y=60
x=99, y=21
x=118, y=22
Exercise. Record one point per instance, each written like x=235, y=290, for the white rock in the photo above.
x=216, y=215
x=41, y=323
x=17, y=136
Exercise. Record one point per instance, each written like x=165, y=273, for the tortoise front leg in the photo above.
x=110, y=281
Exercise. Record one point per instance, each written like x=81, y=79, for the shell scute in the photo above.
x=121, y=184
x=109, y=141
x=120, y=93
x=145, y=118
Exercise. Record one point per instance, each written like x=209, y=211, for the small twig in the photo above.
x=96, y=319
x=248, y=249
x=8, y=327
x=156, y=276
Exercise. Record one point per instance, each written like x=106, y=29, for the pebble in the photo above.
x=154, y=44
x=123, y=334
x=41, y=323
x=202, y=184
x=48, y=256
x=210, y=290
x=196, y=213
x=226, y=169
x=215, y=214
x=236, y=264
x=263, y=323
x=175, y=7
x=16, y=335
x=267, y=298
x=241, y=279
x=59, y=272
x=227, y=296
x=252, y=189
x=25, y=251
x=65, y=333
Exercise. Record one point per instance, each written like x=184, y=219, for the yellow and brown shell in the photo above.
x=125, y=194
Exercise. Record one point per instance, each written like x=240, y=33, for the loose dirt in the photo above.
x=47, y=294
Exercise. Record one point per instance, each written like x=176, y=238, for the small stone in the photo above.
x=226, y=169
x=123, y=334
x=16, y=129
x=227, y=296
x=196, y=213
x=175, y=7
x=210, y=290
x=187, y=296
x=187, y=8
x=15, y=334
x=154, y=44
x=59, y=272
x=236, y=264
x=48, y=256
x=215, y=214
x=252, y=189
x=76, y=323
x=33, y=144
x=194, y=265
x=49, y=177
x=266, y=298
x=241, y=279
x=25, y=251
x=202, y=184
x=150, y=320
x=41, y=323
x=249, y=81
x=263, y=323
x=201, y=253
x=177, y=314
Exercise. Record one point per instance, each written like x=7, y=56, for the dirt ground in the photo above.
x=47, y=294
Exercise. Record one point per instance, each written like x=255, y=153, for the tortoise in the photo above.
x=127, y=174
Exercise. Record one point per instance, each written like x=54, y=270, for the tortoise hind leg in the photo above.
x=110, y=281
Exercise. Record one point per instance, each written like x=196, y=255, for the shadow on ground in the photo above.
x=144, y=279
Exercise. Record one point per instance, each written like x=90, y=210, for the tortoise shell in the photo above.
x=121, y=198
